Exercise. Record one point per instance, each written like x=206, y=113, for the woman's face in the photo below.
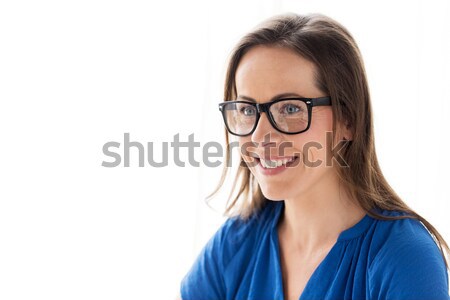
x=263, y=73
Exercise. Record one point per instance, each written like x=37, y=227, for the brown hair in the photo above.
x=340, y=74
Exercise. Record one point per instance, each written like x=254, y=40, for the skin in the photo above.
x=317, y=208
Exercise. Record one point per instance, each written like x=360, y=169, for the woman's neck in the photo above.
x=314, y=219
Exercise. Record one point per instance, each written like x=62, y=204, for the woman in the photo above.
x=313, y=217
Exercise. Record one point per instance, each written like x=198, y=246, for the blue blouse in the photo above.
x=374, y=259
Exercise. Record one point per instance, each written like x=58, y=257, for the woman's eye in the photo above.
x=248, y=110
x=290, y=109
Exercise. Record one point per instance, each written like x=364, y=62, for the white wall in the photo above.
x=77, y=74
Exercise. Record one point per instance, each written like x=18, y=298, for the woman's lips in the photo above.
x=277, y=170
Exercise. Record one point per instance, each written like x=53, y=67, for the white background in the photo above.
x=77, y=74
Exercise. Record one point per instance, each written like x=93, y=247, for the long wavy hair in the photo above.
x=340, y=73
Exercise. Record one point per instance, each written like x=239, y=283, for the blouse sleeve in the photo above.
x=204, y=281
x=410, y=266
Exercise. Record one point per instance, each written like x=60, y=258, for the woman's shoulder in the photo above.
x=237, y=232
x=402, y=233
x=405, y=259
x=229, y=246
x=404, y=237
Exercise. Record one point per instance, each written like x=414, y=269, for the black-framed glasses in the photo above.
x=287, y=115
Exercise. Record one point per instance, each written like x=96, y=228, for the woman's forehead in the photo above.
x=266, y=71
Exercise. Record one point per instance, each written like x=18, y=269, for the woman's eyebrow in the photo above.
x=279, y=96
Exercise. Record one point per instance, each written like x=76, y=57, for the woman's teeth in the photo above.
x=271, y=164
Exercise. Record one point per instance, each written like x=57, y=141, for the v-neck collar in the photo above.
x=350, y=233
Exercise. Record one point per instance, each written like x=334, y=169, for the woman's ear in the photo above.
x=348, y=132
x=345, y=132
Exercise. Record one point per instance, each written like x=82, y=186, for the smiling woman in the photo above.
x=324, y=231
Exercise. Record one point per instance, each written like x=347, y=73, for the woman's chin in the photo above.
x=273, y=195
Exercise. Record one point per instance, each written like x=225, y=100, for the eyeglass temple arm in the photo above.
x=322, y=101
x=228, y=106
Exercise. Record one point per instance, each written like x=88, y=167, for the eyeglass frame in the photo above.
x=265, y=107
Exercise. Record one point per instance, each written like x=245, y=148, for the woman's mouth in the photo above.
x=272, y=166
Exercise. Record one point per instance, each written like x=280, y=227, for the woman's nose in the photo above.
x=264, y=131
